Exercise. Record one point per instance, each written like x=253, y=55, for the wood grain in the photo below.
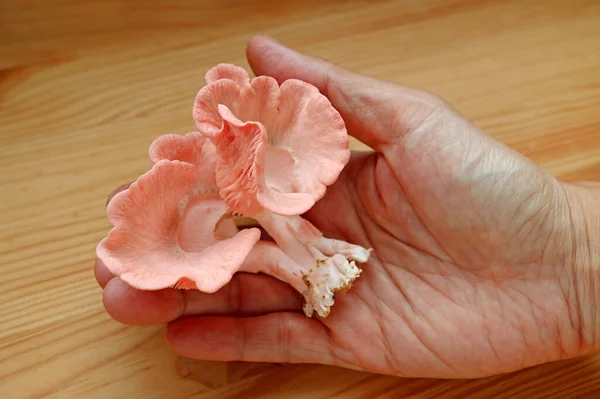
x=85, y=87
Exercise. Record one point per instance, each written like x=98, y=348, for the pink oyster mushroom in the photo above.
x=264, y=151
x=170, y=226
x=277, y=150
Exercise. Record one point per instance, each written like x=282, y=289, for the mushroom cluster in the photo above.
x=264, y=151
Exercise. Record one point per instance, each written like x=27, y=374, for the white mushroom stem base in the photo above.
x=315, y=266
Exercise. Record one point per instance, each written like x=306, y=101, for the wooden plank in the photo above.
x=86, y=86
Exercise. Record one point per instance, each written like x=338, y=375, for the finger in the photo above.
x=130, y=306
x=245, y=294
x=367, y=105
x=276, y=337
x=102, y=274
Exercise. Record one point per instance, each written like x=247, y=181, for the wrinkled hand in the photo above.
x=475, y=251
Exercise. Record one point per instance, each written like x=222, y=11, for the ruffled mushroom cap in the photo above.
x=166, y=236
x=278, y=147
x=193, y=148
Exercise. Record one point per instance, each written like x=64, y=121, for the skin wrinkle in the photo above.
x=283, y=339
x=287, y=351
x=352, y=194
x=525, y=334
x=377, y=183
x=575, y=273
x=502, y=313
x=422, y=252
x=482, y=314
x=534, y=318
x=486, y=327
x=328, y=350
x=331, y=346
x=364, y=231
x=420, y=277
x=383, y=227
x=475, y=163
x=467, y=161
x=501, y=182
x=361, y=205
x=571, y=316
x=523, y=203
x=552, y=231
x=411, y=201
x=387, y=340
x=325, y=221
x=386, y=343
x=542, y=326
x=386, y=230
x=461, y=278
x=405, y=126
x=331, y=89
x=327, y=92
x=388, y=347
x=416, y=313
x=542, y=265
x=418, y=125
x=540, y=216
x=448, y=194
x=336, y=348
x=411, y=305
x=520, y=327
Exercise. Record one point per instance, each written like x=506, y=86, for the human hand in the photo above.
x=477, y=251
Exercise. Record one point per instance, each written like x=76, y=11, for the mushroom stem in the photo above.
x=330, y=246
x=266, y=257
x=284, y=235
x=305, y=257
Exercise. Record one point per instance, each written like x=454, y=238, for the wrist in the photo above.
x=583, y=263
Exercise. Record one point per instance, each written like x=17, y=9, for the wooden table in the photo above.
x=85, y=87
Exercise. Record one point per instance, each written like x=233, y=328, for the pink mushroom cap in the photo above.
x=278, y=147
x=169, y=226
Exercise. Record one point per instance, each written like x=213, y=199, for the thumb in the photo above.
x=376, y=112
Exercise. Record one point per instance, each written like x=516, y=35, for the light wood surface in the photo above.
x=85, y=86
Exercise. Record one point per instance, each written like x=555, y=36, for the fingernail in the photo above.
x=270, y=38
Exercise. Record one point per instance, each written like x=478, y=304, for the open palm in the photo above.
x=459, y=285
x=467, y=275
